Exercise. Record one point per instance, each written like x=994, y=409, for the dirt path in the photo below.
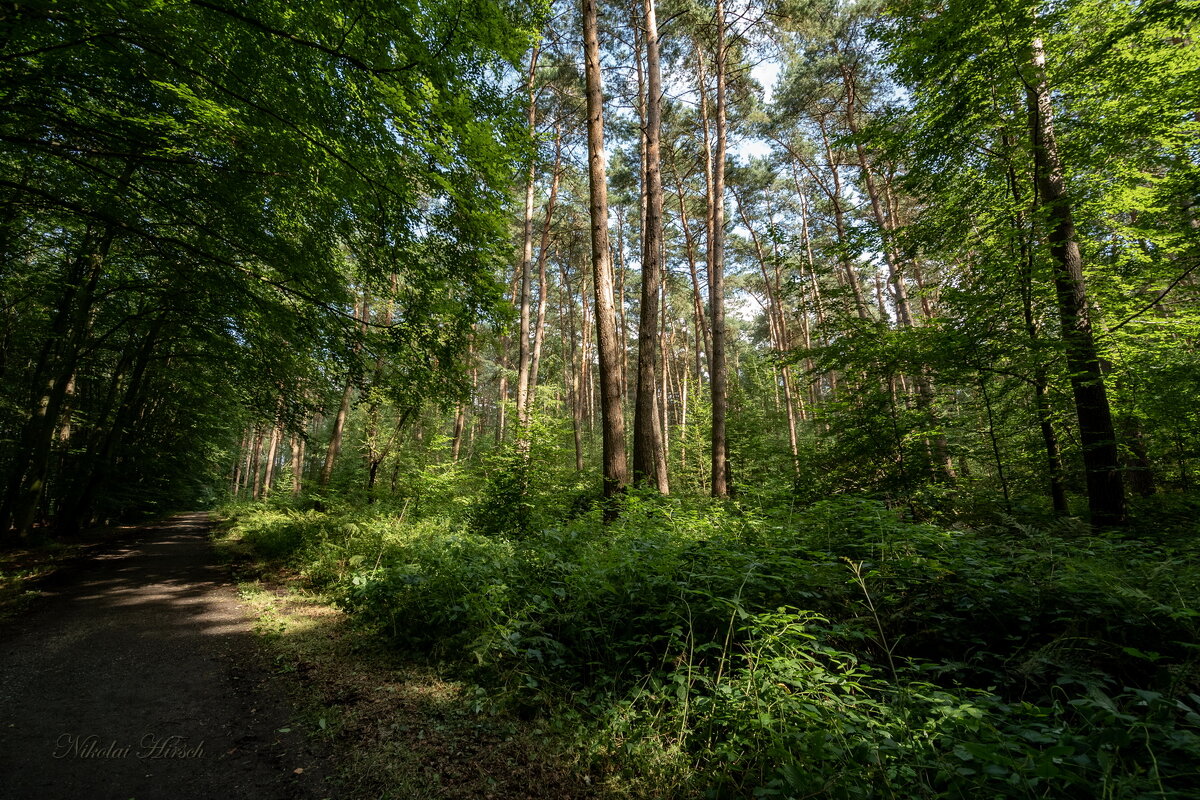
x=138, y=678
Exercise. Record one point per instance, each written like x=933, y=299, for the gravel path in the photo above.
x=137, y=677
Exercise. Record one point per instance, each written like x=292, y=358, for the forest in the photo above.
x=776, y=398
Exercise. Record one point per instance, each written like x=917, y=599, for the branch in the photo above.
x=1155, y=301
x=291, y=37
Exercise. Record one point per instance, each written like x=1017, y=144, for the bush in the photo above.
x=836, y=652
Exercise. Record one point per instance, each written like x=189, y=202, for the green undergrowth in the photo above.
x=695, y=649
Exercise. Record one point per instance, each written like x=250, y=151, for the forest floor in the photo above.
x=401, y=729
x=142, y=669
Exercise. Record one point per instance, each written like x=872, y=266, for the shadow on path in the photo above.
x=137, y=677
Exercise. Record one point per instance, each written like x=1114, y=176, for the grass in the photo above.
x=695, y=649
x=400, y=728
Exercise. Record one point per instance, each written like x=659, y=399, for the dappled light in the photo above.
x=724, y=399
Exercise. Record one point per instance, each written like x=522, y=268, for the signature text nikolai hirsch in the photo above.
x=70, y=745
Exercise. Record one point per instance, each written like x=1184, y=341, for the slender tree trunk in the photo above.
x=716, y=277
x=647, y=426
x=709, y=199
x=235, y=480
x=778, y=331
x=699, y=320
x=255, y=470
x=570, y=354
x=839, y=222
x=523, y=356
x=55, y=370
x=664, y=395
x=297, y=461
x=245, y=480
x=79, y=510
x=339, y=422
x=460, y=412
x=616, y=471
x=942, y=465
x=539, y=333
x=272, y=452
x=1106, y=490
x=335, y=438
x=1041, y=383
x=622, y=324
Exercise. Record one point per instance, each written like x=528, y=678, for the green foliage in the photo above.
x=198, y=201
x=836, y=651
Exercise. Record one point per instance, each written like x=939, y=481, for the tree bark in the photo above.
x=647, y=427
x=297, y=462
x=539, y=331
x=523, y=354
x=716, y=277
x=272, y=452
x=1105, y=485
x=335, y=438
x=616, y=472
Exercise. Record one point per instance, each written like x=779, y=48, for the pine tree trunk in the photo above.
x=272, y=452
x=616, y=472
x=716, y=277
x=255, y=464
x=297, y=462
x=647, y=427
x=539, y=331
x=523, y=354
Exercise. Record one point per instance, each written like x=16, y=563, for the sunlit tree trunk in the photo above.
x=648, y=464
x=716, y=277
x=616, y=472
x=539, y=332
x=297, y=462
x=523, y=354
x=272, y=453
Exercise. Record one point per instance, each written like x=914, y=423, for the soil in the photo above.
x=137, y=676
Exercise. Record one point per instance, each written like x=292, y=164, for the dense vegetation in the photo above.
x=901, y=300
x=693, y=648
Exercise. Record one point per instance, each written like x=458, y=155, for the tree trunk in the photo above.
x=523, y=354
x=255, y=464
x=616, y=472
x=79, y=510
x=335, y=438
x=569, y=356
x=272, y=452
x=716, y=277
x=839, y=222
x=539, y=332
x=647, y=426
x=1105, y=485
x=55, y=372
x=1042, y=406
x=297, y=461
